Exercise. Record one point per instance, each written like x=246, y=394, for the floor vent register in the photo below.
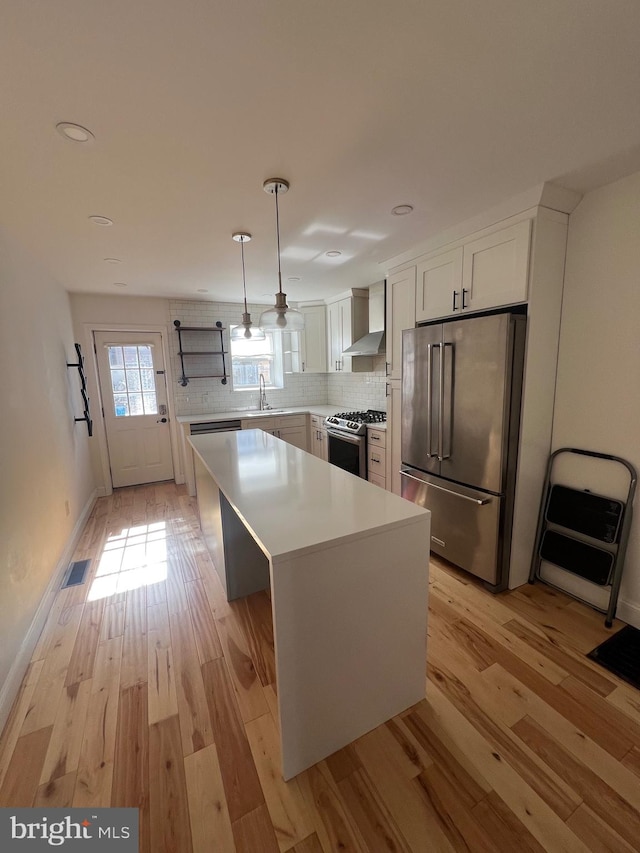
x=76, y=573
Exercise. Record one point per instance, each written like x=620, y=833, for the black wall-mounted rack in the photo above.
x=211, y=363
x=83, y=389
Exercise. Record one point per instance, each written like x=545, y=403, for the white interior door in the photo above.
x=134, y=397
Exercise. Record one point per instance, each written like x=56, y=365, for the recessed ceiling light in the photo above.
x=119, y=284
x=333, y=254
x=112, y=261
x=294, y=278
x=74, y=132
x=402, y=209
x=101, y=220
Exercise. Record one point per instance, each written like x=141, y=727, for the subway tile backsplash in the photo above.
x=347, y=391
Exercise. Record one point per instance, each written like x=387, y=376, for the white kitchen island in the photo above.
x=347, y=564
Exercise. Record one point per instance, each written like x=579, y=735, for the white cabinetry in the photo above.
x=376, y=456
x=495, y=268
x=290, y=428
x=401, y=314
x=394, y=436
x=439, y=285
x=313, y=351
x=347, y=320
x=318, y=437
x=487, y=272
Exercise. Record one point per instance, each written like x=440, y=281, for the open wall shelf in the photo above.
x=202, y=353
x=83, y=388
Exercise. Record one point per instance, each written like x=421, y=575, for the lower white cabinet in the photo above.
x=318, y=437
x=376, y=456
x=290, y=428
x=394, y=433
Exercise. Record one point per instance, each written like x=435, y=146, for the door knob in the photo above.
x=161, y=421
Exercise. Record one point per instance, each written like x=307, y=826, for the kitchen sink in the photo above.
x=266, y=412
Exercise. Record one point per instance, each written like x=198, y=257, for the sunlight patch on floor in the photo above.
x=132, y=558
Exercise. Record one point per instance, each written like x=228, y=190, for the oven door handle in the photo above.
x=345, y=436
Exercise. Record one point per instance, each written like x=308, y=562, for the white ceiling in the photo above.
x=451, y=106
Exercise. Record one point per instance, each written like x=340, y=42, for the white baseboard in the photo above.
x=629, y=612
x=11, y=686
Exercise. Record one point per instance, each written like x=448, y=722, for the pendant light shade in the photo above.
x=246, y=330
x=280, y=318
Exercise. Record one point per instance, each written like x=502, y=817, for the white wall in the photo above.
x=598, y=389
x=44, y=455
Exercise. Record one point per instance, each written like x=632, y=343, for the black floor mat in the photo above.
x=620, y=654
x=77, y=573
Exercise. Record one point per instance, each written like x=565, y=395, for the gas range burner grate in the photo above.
x=371, y=416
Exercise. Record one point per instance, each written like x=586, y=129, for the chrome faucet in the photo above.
x=263, y=394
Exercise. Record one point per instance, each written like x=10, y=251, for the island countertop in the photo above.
x=292, y=501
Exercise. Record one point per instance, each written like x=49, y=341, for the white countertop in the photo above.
x=292, y=501
x=321, y=409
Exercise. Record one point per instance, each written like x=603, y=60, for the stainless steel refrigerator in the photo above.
x=461, y=394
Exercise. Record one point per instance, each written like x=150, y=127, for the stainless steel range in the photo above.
x=347, y=437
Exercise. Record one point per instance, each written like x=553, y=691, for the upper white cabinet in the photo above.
x=313, y=351
x=439, y=285
x=495, y=268
x=401, y=314
x=488, y=272
x=347, y=321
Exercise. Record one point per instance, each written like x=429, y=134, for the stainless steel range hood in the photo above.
x=372, y=343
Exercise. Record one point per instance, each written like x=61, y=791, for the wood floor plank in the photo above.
x=207, y=640
x=626, y=699
x=63, y=753
x=46, y=696
x=284, y=800
x=176, y=593
x=501, y=824
x=370, y=814
x=254, y=831
x=134, y=645
x=241, y=783
x=15, y=721
x=537, y=816
x=247, y=685
x=574, y=664
x=130, y=786
x=506, y=749
x=86, y=644
x=193, y=711
x=258, y=629
x=595, y=833
x=632, y=760
x=168, y=806
x=60, y=615
x=97, y=754
x=210, y=822
x=334, y=825
x=57, y=793
x=343, y=762
x=23, y=775
x=311, y=844
x=113, y=619
x=602, y=799
x=381, y=757
x=161, y=674
x=585, y=750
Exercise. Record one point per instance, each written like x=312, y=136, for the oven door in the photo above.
x=348, y=452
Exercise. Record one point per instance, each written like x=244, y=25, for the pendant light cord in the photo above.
x=244, y=282
x=278, y=239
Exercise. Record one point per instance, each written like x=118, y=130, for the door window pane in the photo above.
x=128, y=384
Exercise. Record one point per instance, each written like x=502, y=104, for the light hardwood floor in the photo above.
x=148, y=689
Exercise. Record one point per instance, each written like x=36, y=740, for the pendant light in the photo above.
x=280, y=317
x=245, y=331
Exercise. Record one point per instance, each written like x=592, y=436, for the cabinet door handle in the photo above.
x=375, y=438
x=303, y=366
x=464, y=290
x=455, y=293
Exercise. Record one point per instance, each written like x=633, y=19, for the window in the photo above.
x=251, y=358
x=132, y=380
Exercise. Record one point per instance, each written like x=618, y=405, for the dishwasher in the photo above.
x=205, y=427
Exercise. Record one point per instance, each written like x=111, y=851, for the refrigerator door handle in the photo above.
x=429, y=396
x=441, y=454
x=478, y=501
